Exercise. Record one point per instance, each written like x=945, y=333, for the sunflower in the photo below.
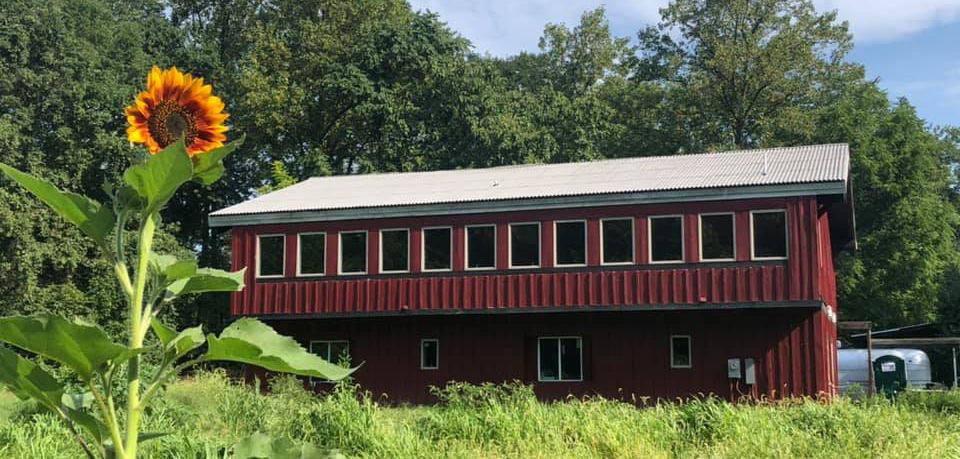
x=176, y=105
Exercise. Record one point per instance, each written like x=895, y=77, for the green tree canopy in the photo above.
x=353, y=86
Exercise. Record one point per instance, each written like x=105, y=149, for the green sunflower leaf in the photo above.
x=84, y=348
x=208, y=166
x=159, y=177
x=77, y=401
x=171, y=269
x=176, y=344
x=209, y=280
x=27, y=380
x=252, y=342
x=93, y=219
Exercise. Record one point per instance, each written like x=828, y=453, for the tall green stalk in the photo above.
x=137, y=333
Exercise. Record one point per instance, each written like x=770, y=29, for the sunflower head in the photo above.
x=176, y=105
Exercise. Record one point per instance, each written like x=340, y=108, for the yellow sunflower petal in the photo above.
x=136, y=135
x=143, y=107
x=155, y=83
x=173, y=96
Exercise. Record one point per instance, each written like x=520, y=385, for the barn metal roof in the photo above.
x=756, y=170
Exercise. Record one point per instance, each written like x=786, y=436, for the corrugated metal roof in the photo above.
x=759, y=167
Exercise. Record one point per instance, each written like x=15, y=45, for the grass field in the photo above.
x=207, y=413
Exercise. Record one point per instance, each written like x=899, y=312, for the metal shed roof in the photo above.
x=761, y=172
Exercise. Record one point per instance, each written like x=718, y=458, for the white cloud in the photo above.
x=877, y=21
x=503, y=27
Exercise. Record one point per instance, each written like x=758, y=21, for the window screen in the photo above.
x=436, y=248
x=560, y=359
x=525, y=244
x=770, y=234
x=353, y=252
x=481, y=246
x=429, y=354
x=312, y=253
x=716, y=237
x=394, y=250
x=666, y=238
x=617, y=240
x=680, y=356
x=270, y=255
x=571, y=244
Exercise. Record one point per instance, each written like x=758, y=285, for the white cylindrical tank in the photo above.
x=853, y=366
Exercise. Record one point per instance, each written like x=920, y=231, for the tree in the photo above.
x=744, y=64
x=67, y=66
x=577, y=60
x=565, y=90
x=906, y=224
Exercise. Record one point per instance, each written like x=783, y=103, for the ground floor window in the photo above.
x=560, y=358
x=331, y=351
x=680, y=352
x=429, y=354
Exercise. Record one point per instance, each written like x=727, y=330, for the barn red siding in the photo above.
x=625, y=353
x=516, y=291
x=799, y=278
x=625, y=313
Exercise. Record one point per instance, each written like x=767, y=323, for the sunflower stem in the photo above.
x=137, y=333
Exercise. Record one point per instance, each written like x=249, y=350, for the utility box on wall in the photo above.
x=749, y=373
x=733, y=368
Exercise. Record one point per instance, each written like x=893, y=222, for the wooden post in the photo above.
x=954, y=349
x=872, y=391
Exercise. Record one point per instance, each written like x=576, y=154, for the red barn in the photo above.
x=655, y=276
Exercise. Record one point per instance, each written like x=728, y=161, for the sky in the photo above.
x=911, y=46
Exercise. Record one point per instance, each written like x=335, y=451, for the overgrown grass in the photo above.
x=207, y=413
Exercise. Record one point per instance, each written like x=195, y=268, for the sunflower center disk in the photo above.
x=169, y=122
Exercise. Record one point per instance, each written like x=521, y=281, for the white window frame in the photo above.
x=283, y=256
x=510, y=245
x=380, y=255
x=423, y=365
x=633, y=242
x=300, y=273
x=559, y=359
x=466, y=247
x=423, y=249
x=683, y=240
x=786, y=234
x=586, y=245
x=366, y=252
x=689, y=351
x=330, y=360
x=733, y=222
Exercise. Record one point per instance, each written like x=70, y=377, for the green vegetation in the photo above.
x=355, y=86
x=208, y=413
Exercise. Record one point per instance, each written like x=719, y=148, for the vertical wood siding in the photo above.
x=627, y=351
x=806, y=274
x=625, y=354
